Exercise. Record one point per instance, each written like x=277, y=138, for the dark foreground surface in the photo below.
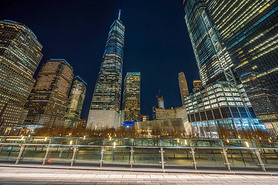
x=33, y=175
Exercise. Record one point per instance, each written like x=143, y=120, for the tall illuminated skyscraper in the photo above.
x=20, y=55
x=247, y=31
x=183, y=87
x=131, y=96
x=107, y=94
x=48, y=100
x=222, y=102
x=76, y=100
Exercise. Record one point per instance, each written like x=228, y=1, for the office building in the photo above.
x=20, y=55
x=162, y=113
x=220, y=107
x=76, y=100
x=247, y=31
x=131, y=96
x=107, y=93
x=197, y=85
x=48, y=101
x=183, y=87
x=144, y=118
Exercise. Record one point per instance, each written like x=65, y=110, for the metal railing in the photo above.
x=233, y=154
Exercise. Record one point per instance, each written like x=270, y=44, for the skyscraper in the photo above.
x=107, y=94
x=247, y=30
x=212, y=58
x=48, y=100
x=183, y=87
x=131, y=96
x=222, y=103
x=20, y=55
x=76, y=100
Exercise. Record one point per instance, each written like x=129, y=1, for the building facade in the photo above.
x=197, y=85
x=220, y=107
x=48, y=101
x=107, y=92
x=20, y=55
x=183, y=87
x=76, y=100
x=247, y=31
x=131, y=96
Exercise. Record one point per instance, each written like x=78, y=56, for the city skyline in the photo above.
x=143, y=49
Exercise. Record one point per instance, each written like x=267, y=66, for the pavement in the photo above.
x=33, y=175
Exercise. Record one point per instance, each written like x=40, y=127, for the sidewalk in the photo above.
x=23, y=174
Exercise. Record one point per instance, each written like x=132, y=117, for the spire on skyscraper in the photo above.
x=119, y=16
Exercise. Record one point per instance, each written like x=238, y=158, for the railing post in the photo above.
x=257, y=152
x=226, y=159
x=46, y=155
x=131, y=161
x=224, y=152
x=73, y=155
x=162, y=158
x=20, y=154
x=101, y=157
x=193, y=157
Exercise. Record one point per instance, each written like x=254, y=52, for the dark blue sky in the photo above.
x=156, y=41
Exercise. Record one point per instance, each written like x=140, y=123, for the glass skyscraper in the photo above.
x=76, y=100
x=216, y=68
x=247, y=30
x=131, y=96
x=20, y=55
x=107, y=94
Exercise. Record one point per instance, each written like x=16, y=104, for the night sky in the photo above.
x=156, y=40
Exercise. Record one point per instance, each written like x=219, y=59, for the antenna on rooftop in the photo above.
x=119, y=16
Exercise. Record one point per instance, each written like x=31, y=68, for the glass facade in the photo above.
x=212, y=58
x=107, y=93
x=76, y=100
x=247, y=33
x=20, y=55
x=179, y=154
x=131, y=96
x=218, y=107
x=47, y=103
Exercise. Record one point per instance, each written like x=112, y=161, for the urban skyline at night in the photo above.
x=160, y=63
x=139, y=92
